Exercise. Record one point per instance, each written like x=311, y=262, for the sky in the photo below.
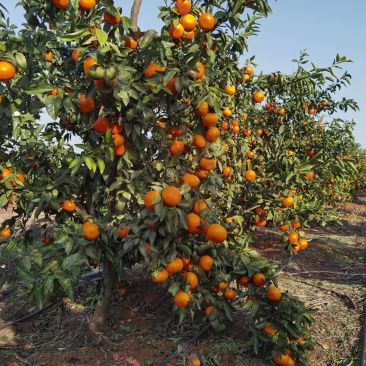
x=324, y=28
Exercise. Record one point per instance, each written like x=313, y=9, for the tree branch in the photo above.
x=135, y=11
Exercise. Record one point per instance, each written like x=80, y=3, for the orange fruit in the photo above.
x=194, y=362
x=299, y=340
x=201, y=174
x=200, y=70
x=46, y=240
x=260, y=221
x=176, y=32
x=207, y=163
x=203, y=109
x=227, y=112
x=209, y=309
x=122, y=233
x=87, y=4
x=118, y=140
x=175, y=131
x=116, y=128
x=177, y=147
x=200, y=205
x=235, y=129
x=210, y=119
x=188, y=22
x=20, y=177
x=100, y=84
x=258, y=97
x=309, y=176
x=290, y=362
x=191, y=279
x=288, y=201
x=226, y=171
x=87, y=104
x=259, y=279
x=293, y=237
x=130, y=43
x=182, y=299
x=281, y=359
x=171, y=196
x=69, y=206
x=191, y=179
x=250, y=175
x=111, y=19
x=194, y=221
x=61, y=4
x=284, y=227
x=212, y=134
x=230, y=294
x=183, y=6
x=206, y=22
x=5, y=232
x=122, y=291
x=152, y=69
x=199, y=141
x=273, y=293
x=269, y=329
x=250, y=155
x=248, y=70
x=48, y=56
x=88, y=63
x=303, y=244
x=162, y=276
x=295, y=225
x=101, y=125
x=244, y=280
x=174, y=266
x=149, y=196
x=230, y=89
x=5, y=173
x=216, y=233
x=90, y=230
x=119, y=150
x=206, y=262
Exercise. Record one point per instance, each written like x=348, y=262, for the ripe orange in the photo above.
x=200, y=205
x=174, y=266
x=88, y=63
x=130, y=43
x=216, y=233
x=273, y=293
x=303, y=244
x=118, y=140
x=171, y=196
x=87, y=104
x=230, y=294
x=199, y=71
x=212, y=134
x=5, y=232
x=111, y=19
x=248, y=70
x=309, y=176
x=87, y=4
x=299, y=340
x=258, y=97
x=284, y=227
x=46, y=240
x=225, y=125
x=230, y=89
x=281, y=111
x=122, y=233
x=69, y=206
x=207, y=163
x=48, y=56
x=188, y=22
x=250, y=155
x=269, y=329
x=149, y=196
x=175, y=131
x=119, y=150
x=227, y=112
x=90, y=230
x=176, y=32
x=206, y=22
x=152, y=69
x=194, y=362
x=61, y=4
x=250, y=175
x=209, y=309
x=281, y=359
x=183, y=6
x=259, y=279
x=244, y=280
x=161, y=276
x=191, y=279
x=177, y=147
x=226, y=171
x=260, y=221
x=193, y=222
x=295, y=225
x=235, y=129
x=100, y=84
x=182, y=299
x=293, y=237
x=7, y=71
x=288, y=201
x=206, y=262
x=116, y=128
x=191, y=179
x=199, y=141
x=203, y=109
x=122, y=291
x=101, y=125
x=210, y=119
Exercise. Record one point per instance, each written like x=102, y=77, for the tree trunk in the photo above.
x=105, y=298
x=135, y=11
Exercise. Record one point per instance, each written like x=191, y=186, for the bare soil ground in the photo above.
x=330, y=276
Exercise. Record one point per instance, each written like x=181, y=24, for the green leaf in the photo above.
x=21, y=60
x=25, y=275
x=74, y=36
x=53, y=105
x=101, y=165
x=39, y=89
x=90, y=163
x=102, y=36
x=147, y=38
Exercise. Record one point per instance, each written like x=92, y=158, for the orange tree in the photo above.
x=181, y=154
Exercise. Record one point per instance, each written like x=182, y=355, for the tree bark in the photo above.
x=101, y=312
x=135, y=11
